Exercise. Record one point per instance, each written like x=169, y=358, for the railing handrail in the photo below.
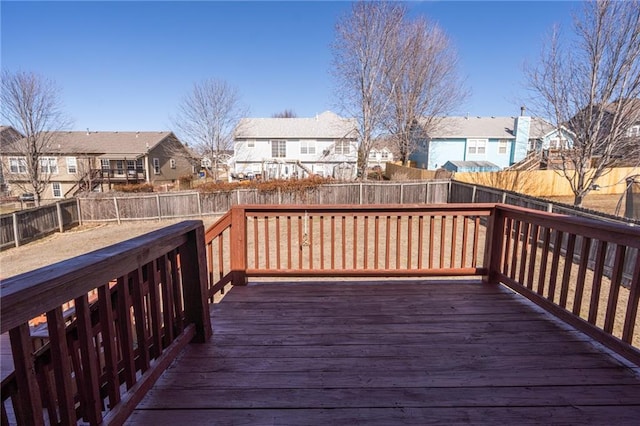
x=28, y=295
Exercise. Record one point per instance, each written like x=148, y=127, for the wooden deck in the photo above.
x=382, y=353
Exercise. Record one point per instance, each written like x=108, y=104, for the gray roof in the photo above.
x=327, y=125
x=466, y=164
x=113, y=143
x=485, y=127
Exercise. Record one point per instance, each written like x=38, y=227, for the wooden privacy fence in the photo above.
x=193, y=204
x=27, y=225
x=114, y=319
x=467, y=193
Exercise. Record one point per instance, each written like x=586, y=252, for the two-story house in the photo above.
x=324, y=145
x=501, y=141
x=95, y=161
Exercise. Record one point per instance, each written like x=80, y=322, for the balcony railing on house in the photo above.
x=138, y=303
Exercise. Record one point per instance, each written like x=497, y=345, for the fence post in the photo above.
x=78, y=202
x=401, y=193
x=504, y=197
x=16, y=234
x=550, y=207
x=158, y=207
x=426, y=195
x=473, y=194
x=115, y=203
x=194, y=278
x=238, y=246
x=361, y=196
x=59, y=215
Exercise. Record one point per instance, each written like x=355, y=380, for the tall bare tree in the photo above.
x=207, y=117
x=360, y=59
x=32, y=105
x=421, y=82
x=287, y=113
x=589, y=88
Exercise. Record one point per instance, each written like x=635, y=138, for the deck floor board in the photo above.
x=389, y=353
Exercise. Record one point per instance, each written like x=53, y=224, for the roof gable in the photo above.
x=327, y=125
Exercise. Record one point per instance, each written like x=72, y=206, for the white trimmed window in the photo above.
x=307, y=147
x=251, y=143
x=172, y=163
x=105, y=164
x=503, y=144
x=49, y=165
x=72, y=165
x=343, y=147
x=557, y=143
x=634, y=131
x=156, y=166
x=476, y=146
x=119, y=167
x=278, y=149
x=384, y=155
x=17, y=165
x=56, y=189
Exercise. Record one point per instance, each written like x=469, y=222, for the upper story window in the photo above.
x=17, y=165
x=49, y=165
x=251, y=143
x=156, y=166
x=476, y=146
x=172, y=163
x=72, y=165
x=307, y=147
x=503, y=144
x=105, y=164
x=343, y=147
x=634, y=131
x=557, y=143
x=56, y=189
x=278, y=149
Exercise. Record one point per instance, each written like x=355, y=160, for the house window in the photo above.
x=476, y=146
x=139, y=167
x=307, y=147
x=172, y=163
x=251, y=143
x=557, y=143
x=384, y=155
x=49, y=165
x=278, y=149
x=502, y=146
x=17, y=164
x=343, y=147
x=72, y=165
x=56, y=188
x=105, y=164
x=119, y=167
x=634, y=131
x=156, y=166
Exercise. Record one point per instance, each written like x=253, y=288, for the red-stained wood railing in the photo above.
x=340, y=241
x=560, y=263
x=130, y=308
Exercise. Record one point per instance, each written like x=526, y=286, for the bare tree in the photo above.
x=207, y=117
x=589, y=89
x=421, y=83
x=360, y=59
x=287, y=113
x=32, y=105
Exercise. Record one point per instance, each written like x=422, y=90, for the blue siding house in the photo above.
x=502, y=141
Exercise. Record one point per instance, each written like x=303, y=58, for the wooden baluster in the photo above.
x=176, y=287
x=309, y=232
x=524, y=252
x=535, y=234
x=256, y=244
x=168, y=313
x=91, y=391
x=454, y=237
x=29, y=403
x=366, y=242
x=597, y=281
x=409, y=238
x=140, y=316
x=321, y=242
x=420, y=240
x=566, y=274
x=355, y=242
x=107, y=323
x=614, y=289
x=508, y=238
x=155, y=309
x=443, y=238
x=267, y=237
x=543, y=262
x=582, y=272
x=278, y=261
x=289, y=242
x=431, y=240
x=476, y=242
x=126, y=331
x=387, y=243
x=300, y=245
x=62, y=370
x=465, y=241
x=555, y=261
x=514, y=255
x=632, y=304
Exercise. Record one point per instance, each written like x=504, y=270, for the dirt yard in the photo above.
x=74, y=242
x=599, y=202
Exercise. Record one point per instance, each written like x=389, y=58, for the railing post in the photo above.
x=493, y=245
x=238, y=246
x=29, y=403
x=194, y=281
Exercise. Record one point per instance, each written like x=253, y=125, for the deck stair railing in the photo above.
x=134, y=306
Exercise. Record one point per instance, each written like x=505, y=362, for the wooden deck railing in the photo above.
x=130, y=308
x=136, y=304
x=557, y=261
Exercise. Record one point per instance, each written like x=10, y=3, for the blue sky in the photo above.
x=127, y=65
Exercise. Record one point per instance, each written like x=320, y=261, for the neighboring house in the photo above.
x=383, y=151
x=272, y=148
x=501, y=141
x=8, y=135
x=95, y=161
